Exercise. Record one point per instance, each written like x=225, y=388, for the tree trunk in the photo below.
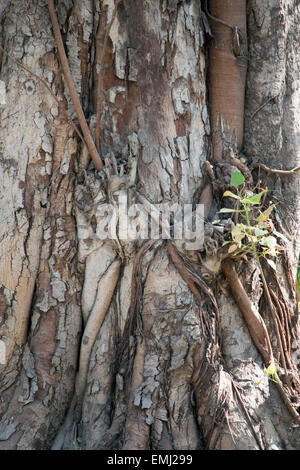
x=137, y=343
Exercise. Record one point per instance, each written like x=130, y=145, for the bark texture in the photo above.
x=137, y=344
x=40, y=319
x=272, y=107
x=227, y=73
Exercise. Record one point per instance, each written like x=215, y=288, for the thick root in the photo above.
x=102, y=302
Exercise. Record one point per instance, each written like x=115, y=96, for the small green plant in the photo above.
x=255, y=234
x=271, y=372
x=75, y=444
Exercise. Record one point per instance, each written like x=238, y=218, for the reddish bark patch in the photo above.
x=227, y=75
x=2, y=307
x=43, y=347
x=180, y=125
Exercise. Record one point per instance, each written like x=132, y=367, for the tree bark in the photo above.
x=227, y=73
x=140, y=344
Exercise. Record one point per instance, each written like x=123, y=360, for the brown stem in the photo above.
x=241, y=401
x=284, y=333
x=287, y=403
x=255, y=323
x=277, y=172
x=73, y=93
x=286, y=309
x=263, y=105
x=218, y=20
x=240, y=165
x=274, y=315
x=256, y=327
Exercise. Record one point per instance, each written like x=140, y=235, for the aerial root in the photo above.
x=105, y=293
x=257, y=328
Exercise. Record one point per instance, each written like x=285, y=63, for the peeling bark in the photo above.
x=42, y=319
x=117, y=344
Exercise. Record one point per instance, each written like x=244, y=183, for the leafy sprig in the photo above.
x=255, y=233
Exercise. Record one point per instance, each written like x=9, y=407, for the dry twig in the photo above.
x=261, y=166
x=73, y=93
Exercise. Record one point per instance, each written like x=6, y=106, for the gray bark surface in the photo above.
x=108, y=347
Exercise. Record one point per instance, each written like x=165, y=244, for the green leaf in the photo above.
x=274, y=378
x=271, y=370
x=280, y=235
x=230, y=194
x=270, y=242
x=259, y=232
x=237, y=179
x=238, y=233
x=266, y=214
x=256, y=198
x=224, y=209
